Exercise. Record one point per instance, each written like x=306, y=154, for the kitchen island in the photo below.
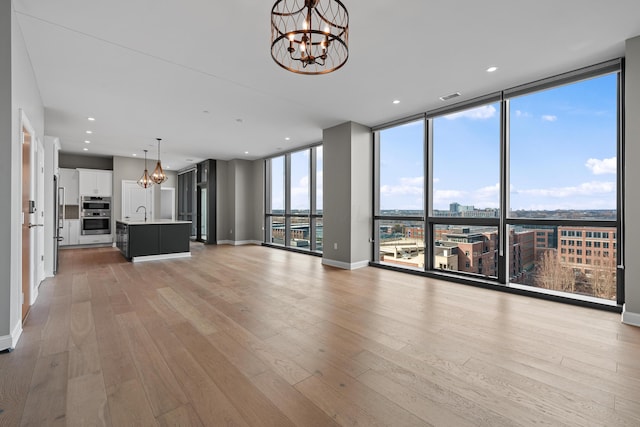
x=153, y=240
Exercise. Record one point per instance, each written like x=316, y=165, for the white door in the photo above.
x=39, y=217
x=168, y=203
x=135, y=200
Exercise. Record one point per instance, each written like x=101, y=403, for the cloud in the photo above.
x=479, y=113
x=601, y=167
x=549, y=118
x=408, y=185
x=584, y=189
x=522, y=114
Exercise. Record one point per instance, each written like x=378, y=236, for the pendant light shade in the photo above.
x=158, y=176
x=310, y=36
x=145, y=180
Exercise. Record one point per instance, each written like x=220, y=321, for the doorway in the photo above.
x=32, y=213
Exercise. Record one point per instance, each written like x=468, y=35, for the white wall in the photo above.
x=18, y=91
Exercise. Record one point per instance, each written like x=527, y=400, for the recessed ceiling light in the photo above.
x=491, y=69
x=135, y=155
x=86, y=141
x=287, y=139
x=246, y=152
x=85, y=149
x=167, y=167
x=448, y=97
x=89, y=132
x=396, y=101
x=91, y=119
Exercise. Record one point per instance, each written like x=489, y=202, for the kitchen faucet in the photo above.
x=145, y=211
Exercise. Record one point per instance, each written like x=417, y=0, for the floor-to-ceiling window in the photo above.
x=522, y=188
x=399, y=204
x=294, y=200
x=563, y=167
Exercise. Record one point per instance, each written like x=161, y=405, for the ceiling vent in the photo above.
x=451, y=96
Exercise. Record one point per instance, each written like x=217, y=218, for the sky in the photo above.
x=562, y=153
x=299, y=180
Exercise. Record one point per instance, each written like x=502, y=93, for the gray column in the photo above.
x=631, y=313
x=347, y=151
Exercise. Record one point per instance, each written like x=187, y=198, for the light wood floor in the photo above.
x=252, y=336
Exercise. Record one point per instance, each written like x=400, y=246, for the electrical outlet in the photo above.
x=335, y=246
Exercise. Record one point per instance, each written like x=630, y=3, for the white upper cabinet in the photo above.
x=95, y=182
x=69, y=181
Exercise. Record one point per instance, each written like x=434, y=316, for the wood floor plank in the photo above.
x=162, y=389
x=15, y=377
x=334, y=404
x=87, y=402
x=128, y=405
x=84, y=357
x=291, y=402
x=46, y=404
x=184, y=416
x=480, y=405
x=251, y=403
x=206, y=398
x=56, y=331
x=201, y=323
x=252, y=336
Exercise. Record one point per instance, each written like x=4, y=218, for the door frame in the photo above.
x=28, y=295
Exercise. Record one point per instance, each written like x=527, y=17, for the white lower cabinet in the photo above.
x=95, y=238
x=70, y=233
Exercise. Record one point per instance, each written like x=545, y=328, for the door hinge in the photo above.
x=22, y=298
x=41, y=257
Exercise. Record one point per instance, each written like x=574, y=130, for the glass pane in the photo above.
x=319, y=232
x=563, y=151
x=300, y=199
x=466, y=163
x=277, y=185
x=300, y=237
x=470, y=249
x=203, y=214
x=577, y=260
x=277, y=230
x=319, y=177
x=402, y=243
x=402, y=170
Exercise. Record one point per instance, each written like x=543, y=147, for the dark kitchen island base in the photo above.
x=153, y=240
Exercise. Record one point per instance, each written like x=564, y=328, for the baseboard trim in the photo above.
x=159, y=257
x=629, y=317
x=10, y=341
x=239, y=242
x=345, y=265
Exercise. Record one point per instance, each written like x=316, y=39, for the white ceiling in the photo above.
x=199, y=73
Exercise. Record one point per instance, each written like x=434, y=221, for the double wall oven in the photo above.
x=95, y=215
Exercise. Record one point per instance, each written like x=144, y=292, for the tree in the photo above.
x=551, y=274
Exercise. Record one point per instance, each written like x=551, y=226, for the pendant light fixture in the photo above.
x=158, y=176
x=145, y=180
x=310, y=36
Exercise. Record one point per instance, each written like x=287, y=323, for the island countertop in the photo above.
x=152, y=222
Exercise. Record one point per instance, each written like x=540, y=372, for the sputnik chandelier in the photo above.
x=158, y=176
x=145, y=180
x=310, y=36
